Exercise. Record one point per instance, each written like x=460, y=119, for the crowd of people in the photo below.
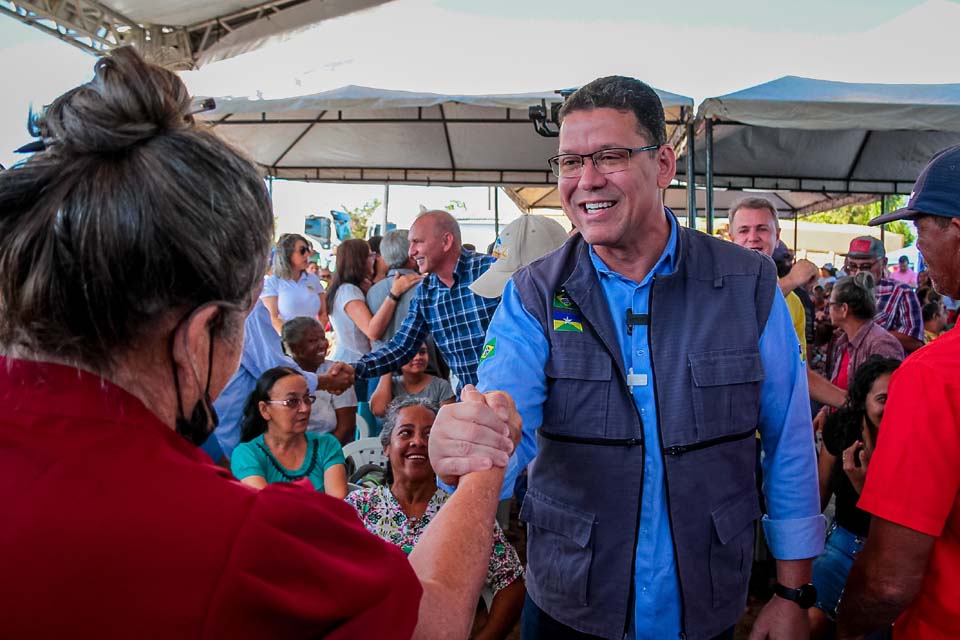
x=178, y=402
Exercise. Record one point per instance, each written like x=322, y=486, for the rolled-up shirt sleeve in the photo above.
x=793, y=525
x=514, y=358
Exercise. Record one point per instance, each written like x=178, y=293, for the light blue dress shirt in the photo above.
x=793, y=526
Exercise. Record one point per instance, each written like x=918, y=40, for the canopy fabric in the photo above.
x=362, y=134
x=180, y=34
x=788, y=203
x=816, y=135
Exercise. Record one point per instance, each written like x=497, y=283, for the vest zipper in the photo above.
x=679, y=451
x=666, y=484
x=608, y=442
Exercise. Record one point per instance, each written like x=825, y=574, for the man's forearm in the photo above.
x=794, y=573
x=866, y=606
x=909, y=343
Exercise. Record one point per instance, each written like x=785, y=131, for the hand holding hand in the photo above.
x=337, y=380
x=471, y=435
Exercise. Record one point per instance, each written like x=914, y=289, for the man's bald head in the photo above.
x=435, y=242
x=439, y=222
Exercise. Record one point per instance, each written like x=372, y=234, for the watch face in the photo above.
x=808, y=596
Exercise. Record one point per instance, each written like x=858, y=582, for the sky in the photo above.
x=698, y=48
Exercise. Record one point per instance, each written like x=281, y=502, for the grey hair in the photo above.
x=444, y=220
x=857, y=293
x=293, y=330
x=281, y=258
x=393, y=412
x=752, y=202
x=395, y=248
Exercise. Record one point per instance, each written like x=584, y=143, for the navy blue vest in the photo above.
x=583, y=503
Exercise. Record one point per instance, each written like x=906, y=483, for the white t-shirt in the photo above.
x=323, y=417
x=294, y=299
x=351, y=342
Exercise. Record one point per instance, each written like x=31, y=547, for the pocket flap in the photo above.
x=716, y=368
x=595, y=365
x=734, y=516
x=546, y=513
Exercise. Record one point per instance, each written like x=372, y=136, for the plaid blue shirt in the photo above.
x=456, y=316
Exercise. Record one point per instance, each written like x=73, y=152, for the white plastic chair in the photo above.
x=364, y=451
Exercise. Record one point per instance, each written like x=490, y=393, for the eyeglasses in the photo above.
x=570, y=165
x=853, y=267
x=294, y=403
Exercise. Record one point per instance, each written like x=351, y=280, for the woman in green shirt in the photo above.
x=274, y=443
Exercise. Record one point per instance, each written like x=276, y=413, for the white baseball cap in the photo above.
x=524, y=240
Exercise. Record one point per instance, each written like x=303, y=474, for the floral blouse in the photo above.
x=382, y=516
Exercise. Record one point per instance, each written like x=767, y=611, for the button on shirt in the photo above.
x=455, y=315
x=794, y=526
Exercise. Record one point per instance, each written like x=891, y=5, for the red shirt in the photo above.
x=115, y=527
x=914, y=479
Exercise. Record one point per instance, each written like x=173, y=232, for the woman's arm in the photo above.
x=257, y=482
x=335, y=481
x=504, y=612
x=322, y=316
x=346, y=424
x=373, y=325
x=270, y=302
x=382, y=396
x=824, y=469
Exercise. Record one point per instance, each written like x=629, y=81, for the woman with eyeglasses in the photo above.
x=292, y=290
x=275, y=445
x=852, y=307
x=353, y=323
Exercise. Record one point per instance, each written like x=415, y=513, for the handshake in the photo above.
x=337, y=380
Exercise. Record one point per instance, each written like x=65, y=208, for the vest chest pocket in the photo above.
x=578, y=388
x=731, y=550
x=559, y=545
x=726, y=391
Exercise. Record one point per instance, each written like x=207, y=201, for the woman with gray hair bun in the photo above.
x=132, y=246
x=852, y=306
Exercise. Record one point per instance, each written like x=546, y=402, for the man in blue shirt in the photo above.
x=569, y=359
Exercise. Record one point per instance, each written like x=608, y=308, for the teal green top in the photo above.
x=254, y=459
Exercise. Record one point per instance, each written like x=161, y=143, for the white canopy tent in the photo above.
x=180, y=34
x=360, y=134
x=822, y=136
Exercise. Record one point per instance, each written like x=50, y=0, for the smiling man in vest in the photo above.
x=642, y=357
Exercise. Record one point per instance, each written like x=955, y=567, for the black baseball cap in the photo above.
x=936, y=193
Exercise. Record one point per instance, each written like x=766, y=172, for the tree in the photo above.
x=360, y=217
x=863, y=213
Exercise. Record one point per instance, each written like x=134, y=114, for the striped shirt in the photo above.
x=455, y=316
x=898, y=309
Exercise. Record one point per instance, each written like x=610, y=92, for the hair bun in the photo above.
x=864, y=280
x=128, y=102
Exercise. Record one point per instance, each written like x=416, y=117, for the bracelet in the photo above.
x=393, y=296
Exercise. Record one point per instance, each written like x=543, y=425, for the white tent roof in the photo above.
x=816, y=135
x=360, y=134
x=788, y=203
x=178, y=33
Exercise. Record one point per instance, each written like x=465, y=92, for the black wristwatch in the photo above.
x=393, y=296
x=805, y=596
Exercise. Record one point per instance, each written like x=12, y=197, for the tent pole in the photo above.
x=883, y=209
x=496, y=212
x=386, y=208
x=709, y=171
x=796, y=217
x=691, y=180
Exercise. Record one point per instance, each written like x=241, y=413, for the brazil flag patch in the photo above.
x=489, y=350
x=566, y=315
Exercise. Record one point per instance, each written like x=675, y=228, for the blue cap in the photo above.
x=936, y=193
